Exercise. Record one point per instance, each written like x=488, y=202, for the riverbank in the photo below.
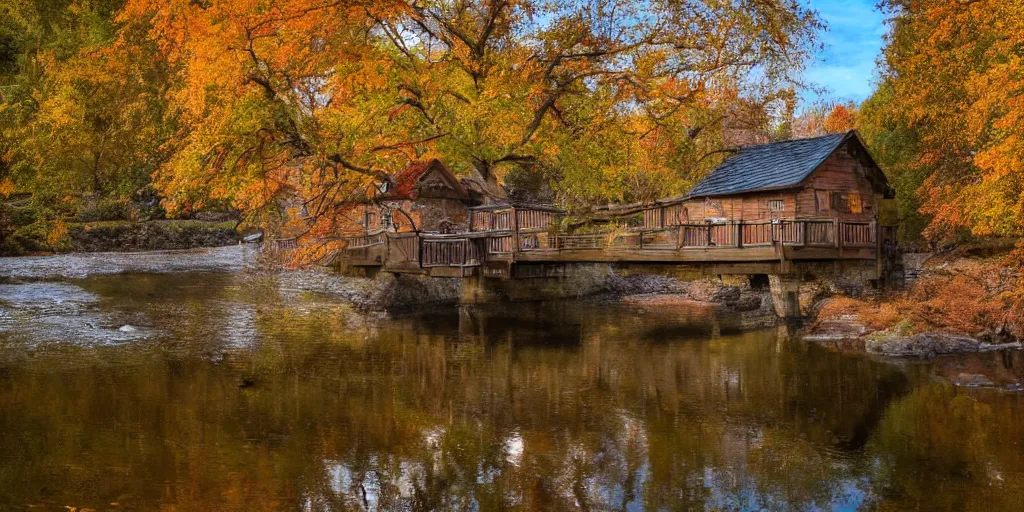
x=957, y=303
x=153, y=235
x=107, y=225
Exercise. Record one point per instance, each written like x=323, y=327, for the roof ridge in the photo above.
x=774, y=165
x=790, y=141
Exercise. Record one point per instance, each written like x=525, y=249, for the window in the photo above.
x=840, y=203
x=821, y=201
x=775, y=205
x=856, y=206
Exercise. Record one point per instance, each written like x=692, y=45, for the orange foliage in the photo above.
x=841, y=118
x=964, y=296
x=957, y=71
x=302, y=105
x=876, y=316
x=825, y=118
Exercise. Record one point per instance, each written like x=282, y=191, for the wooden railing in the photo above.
x=767, y=233
x=579, y=242
x=857, y=234
x=708, y=235
x=822, y=233
x=529, y=220
x=285, y=244
x=424, y=250
x=500, y=244
x=438, y=251
x=508, y=219
x=362, y=242
x=492, y=220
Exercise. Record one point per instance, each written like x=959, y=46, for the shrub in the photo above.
x=104, y=209
x=967, y=296
x=876, y=316
x=39, y=236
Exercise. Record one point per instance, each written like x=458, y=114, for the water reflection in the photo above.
x=247, y=396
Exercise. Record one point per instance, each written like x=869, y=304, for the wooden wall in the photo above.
x=841, y=175
x=842, y=179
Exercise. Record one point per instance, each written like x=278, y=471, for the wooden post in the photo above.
x=739, y=234
x=515, y=230
x=836, y=233
x=875, y=230
x=419, y=250
x=804, y=233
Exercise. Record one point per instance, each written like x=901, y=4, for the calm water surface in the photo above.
x=236, y=392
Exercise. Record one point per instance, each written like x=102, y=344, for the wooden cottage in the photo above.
x=827, y=177
x=423, y=197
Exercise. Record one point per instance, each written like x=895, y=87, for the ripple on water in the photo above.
x=46, y=312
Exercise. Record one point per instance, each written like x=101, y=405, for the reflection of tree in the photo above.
x=945, y=449
x=350, y=412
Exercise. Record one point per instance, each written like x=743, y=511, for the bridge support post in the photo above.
x=785, y=290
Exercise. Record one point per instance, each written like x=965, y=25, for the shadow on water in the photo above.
x=242, y=394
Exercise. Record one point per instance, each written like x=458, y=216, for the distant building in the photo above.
x=425, y=196
x=827, y=177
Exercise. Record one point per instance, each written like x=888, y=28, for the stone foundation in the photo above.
x=794, y=293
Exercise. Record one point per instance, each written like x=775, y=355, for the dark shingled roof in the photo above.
x=769, y=166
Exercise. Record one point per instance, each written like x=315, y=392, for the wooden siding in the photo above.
x=840, y=181
x=841, y=175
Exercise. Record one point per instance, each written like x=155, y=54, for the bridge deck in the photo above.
x=733, y=242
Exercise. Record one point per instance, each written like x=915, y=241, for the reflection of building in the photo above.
x=828, y=177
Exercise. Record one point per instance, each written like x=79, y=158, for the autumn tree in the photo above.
x=82, y=111
x=894, y=144
x=320, y=100
x=276, y=99
x=956, y=70
x=599, y=92
x=823, y=118
x=98, y=122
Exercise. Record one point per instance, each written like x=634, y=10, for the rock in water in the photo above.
x=927, y=344
x=127, y=328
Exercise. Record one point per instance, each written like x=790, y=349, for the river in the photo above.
x=237, y=390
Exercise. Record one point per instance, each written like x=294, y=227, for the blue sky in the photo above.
x=852, y=43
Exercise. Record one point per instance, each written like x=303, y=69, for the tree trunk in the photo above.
x=96, y=186
x=486, y=175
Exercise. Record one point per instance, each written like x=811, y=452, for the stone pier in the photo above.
x=785, y=290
